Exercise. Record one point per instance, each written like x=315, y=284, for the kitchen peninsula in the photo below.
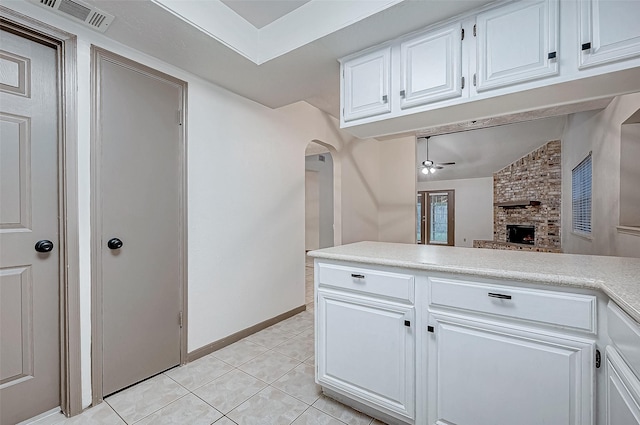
x=416, y=334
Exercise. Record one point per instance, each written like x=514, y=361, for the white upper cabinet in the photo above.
x=431, y=66
x=609, y=31
x=517, y=42
x=515, y=48
x=366, y=85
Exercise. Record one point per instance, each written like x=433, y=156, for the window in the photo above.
x=435, y=211
x=581, y=197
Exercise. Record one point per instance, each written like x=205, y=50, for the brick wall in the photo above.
x=538, y=177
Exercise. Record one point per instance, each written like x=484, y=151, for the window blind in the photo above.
x=581, y=196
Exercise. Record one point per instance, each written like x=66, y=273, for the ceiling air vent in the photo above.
x=79, y=11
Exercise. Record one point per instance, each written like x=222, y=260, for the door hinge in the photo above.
x=462, y=35
x=474, y=30
x=402, y=93
x=462, y=82
x=343, y=112
x=179, y=116
x=180, y=318
x=474, y=79
x=598, y=359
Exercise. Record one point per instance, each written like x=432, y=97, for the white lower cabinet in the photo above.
x=482, y=373
x=623, y=391
x=366, y=349
x=411, y=348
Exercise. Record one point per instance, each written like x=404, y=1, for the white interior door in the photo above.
x=29, y=280
x=139, y=179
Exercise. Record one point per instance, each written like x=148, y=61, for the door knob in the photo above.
x=114, y=243
x=44, y=246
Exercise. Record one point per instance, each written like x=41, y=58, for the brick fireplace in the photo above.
x=527, y=201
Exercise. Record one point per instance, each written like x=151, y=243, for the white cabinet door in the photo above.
x=623, y=392
x=366, y=84
x=365, y=349
x=517, y=42
x=609, y=30
x=483, y=374
x=431, y=67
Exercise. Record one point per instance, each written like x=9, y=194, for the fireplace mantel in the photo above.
x=517, y=204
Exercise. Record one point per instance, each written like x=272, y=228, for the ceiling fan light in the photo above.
x=424, y=170
x=432, y=170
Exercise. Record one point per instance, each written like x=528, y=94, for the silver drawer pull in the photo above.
x=357, y=276
x=501, y=296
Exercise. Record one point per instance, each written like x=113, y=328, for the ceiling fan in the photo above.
x=429, y=166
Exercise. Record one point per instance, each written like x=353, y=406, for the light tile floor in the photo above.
x=264, y=379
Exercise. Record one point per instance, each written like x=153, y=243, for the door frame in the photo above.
x=65, y=45
x=425, y=218
x=97, y=56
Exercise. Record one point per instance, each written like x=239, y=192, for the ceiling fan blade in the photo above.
x=445, y=163
x=438, y=167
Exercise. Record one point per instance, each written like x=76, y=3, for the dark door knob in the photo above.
x=114, y=243
x=44, y=246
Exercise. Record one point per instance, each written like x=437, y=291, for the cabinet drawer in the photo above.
x=554, y=308
x=374, y=282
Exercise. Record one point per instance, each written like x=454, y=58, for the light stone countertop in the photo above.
x=617, y=277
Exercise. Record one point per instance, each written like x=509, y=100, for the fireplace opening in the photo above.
x=517, y=233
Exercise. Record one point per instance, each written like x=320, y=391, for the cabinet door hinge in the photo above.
x=598, y=359
x=474, y=79
x=474, y=30
x=402, y=93
x=430, y=329
x=462, y=82
x=180, y=318
x=343, y=112
x=179, y=116
x=462, y=35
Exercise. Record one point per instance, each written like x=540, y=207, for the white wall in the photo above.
x=630, y=175
x=356, y=172
x=311, y=210
x=245, y=241
x=473, y=207
x=397, y=193
x=599, y=132
x=325, y=210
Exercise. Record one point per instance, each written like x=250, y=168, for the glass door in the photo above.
x=436, y=222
